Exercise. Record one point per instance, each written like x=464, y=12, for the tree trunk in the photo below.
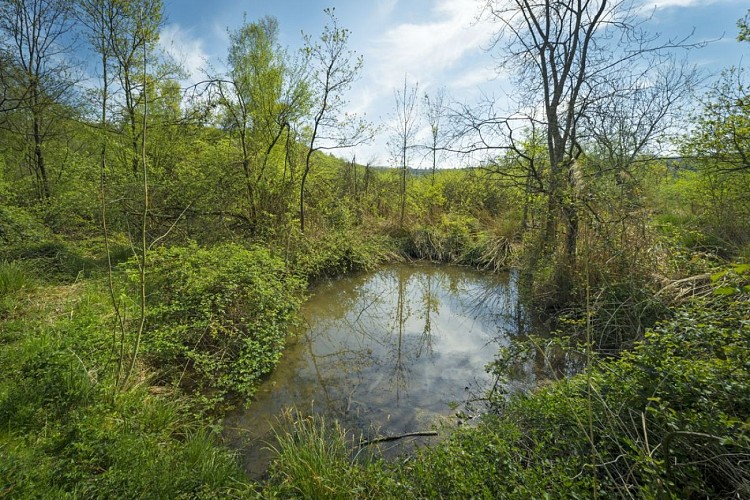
x=41, y=166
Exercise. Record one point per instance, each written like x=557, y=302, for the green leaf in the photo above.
x=725, y=290
x=717, y=276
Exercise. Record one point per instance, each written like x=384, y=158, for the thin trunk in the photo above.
x=105, y=229
x=143, y=242
x=526, y=203
x=571, y=239
x=434, y=161
x=41, y=167
x=130, y=109
x=403, y=182
x=302, y=192
x=367, y=179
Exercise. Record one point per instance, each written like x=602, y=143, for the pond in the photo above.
x=394, y=351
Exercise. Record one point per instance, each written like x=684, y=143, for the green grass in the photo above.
x=316, y=458
x=313, y=459
x=14, y=276
x=66, y=432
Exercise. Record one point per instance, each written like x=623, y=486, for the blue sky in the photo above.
x=435, y=42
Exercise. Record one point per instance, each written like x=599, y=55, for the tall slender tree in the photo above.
x=435, y=114
x=334, y=67
x=404, y=135
x=133, y=28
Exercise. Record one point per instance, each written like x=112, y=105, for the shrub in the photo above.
x=338, y=252
x=218, y=315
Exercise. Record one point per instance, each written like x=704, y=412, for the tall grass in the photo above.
x=313, y=458
x=14, y=276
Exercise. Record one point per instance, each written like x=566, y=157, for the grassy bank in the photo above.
x=216, y=322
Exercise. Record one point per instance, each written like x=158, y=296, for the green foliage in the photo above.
x=64, y=431
x=335, y=253
x=53, y=259
x=218, y=317
x=18, y=226
x=687, y=378
x=447, y=241
x=14, y=276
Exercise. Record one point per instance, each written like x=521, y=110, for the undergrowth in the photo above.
x=66, y=432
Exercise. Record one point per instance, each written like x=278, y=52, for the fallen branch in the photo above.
x=694, y=284
x=394, y=438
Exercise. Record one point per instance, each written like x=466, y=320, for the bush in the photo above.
x=335, y=253
x=447, y=241
x=220, y=316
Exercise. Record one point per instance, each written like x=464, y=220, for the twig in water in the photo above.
x=400, y=436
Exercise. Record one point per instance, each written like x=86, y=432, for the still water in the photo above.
x=398, y=350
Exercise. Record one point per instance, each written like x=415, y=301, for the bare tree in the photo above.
x=435, y=113
x=404, y=134
x=572, y=60
x=334, y=68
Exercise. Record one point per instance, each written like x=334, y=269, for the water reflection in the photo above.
x=390, y=351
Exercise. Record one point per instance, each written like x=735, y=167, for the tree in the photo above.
x=722, y=136
x=435, y=113
x=95, y=15
x=718, y=147
x=39, y=76
x=264, y=94
x=574, y=60
x=744, y=27
x=404, y=134
x=12, y=97
x=133, y=27
x=333, y=68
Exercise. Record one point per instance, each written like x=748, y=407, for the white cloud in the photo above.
x=383, y=8
x=473, y=77
x=663, y=4
x=186, y=50
x=425, y=50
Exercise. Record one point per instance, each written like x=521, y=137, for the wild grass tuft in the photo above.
x=313, y=458
x=14, y=276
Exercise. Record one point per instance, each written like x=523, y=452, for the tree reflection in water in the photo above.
x=392, y=350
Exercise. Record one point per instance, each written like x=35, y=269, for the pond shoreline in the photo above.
x=387, y=352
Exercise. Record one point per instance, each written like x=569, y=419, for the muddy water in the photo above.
x=390, y=352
